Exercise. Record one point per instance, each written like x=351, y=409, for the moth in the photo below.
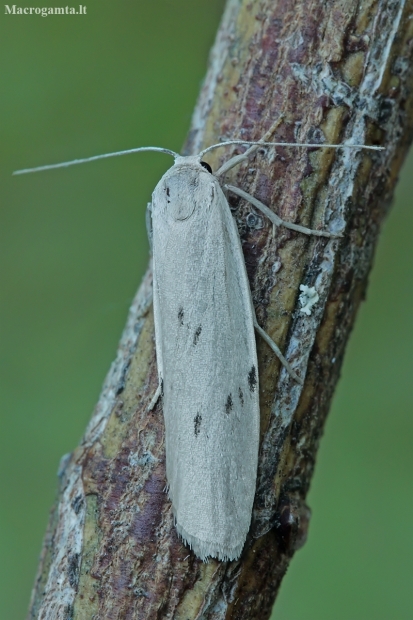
x=206, y=354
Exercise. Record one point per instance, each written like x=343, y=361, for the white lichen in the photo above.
x=308, y=298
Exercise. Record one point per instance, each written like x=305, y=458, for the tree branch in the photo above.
x=336, y=71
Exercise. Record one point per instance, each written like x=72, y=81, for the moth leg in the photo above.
x=156, y=396
x=149, y=228
x=234, y=161
x=277, y=221
x=277, y=352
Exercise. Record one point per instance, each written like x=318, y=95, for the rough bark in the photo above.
x=338, y=70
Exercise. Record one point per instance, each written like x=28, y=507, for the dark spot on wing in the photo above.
x=167, y=193
x=252, y=379
x=197, y=423
x=181, y=315
x=229, y=404
x=197, y=334
x=241, y=395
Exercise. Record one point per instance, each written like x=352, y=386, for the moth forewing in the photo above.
x=207, y=361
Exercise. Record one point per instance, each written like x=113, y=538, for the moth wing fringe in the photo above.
x=204, y=549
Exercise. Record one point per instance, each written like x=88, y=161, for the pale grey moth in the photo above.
x=205, y=349
x=207, y=360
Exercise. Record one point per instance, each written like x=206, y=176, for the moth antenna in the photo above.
x=84, y=160
x=299, y=144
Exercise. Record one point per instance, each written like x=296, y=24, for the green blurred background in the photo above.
x=73, y=250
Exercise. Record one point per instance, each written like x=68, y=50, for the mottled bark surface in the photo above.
x=338, y=70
